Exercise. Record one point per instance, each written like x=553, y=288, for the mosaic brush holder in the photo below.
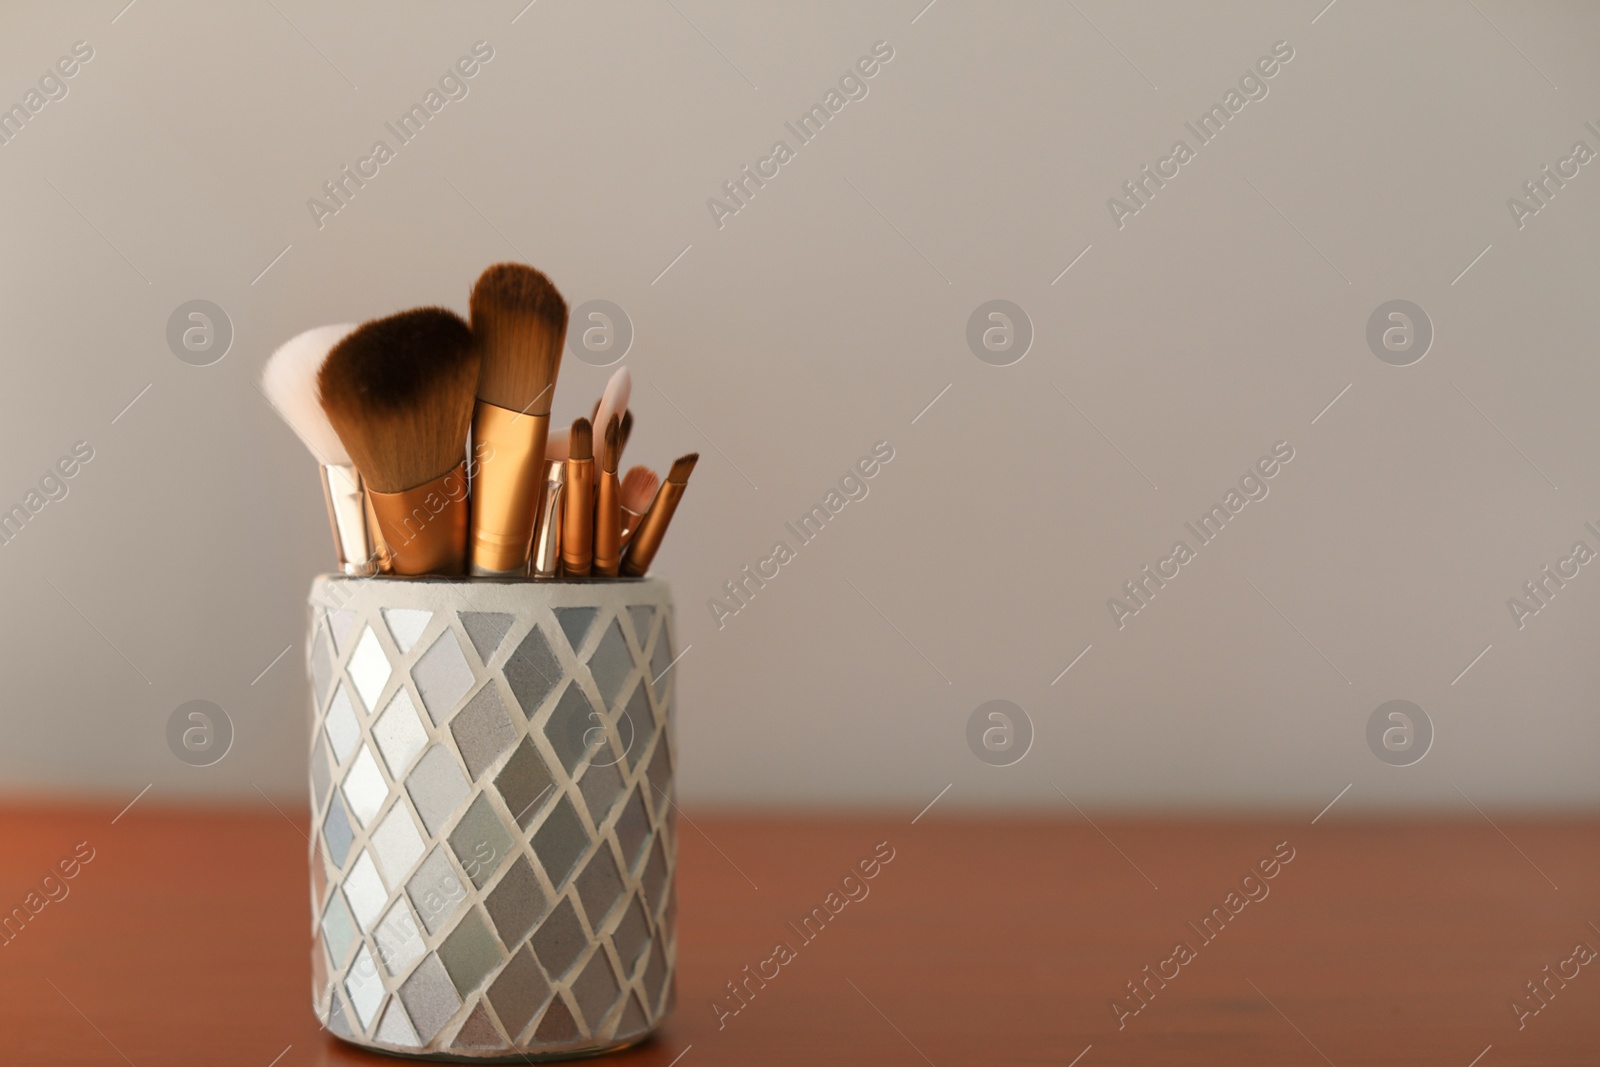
x=491, y=789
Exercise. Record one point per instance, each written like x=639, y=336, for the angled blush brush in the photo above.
x=653, y=527
x=398, y=392
x=519, y=324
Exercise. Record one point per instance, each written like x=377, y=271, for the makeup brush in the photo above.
x=608, y=506
x=623, y=432
x=289, y=382
x=613, y=400
x=638, y=489
x=399, y=392
x=519, y=323
x=577, y=521
x=546, y=562
x=653, y=527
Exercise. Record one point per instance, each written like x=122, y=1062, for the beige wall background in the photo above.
x=1169, y=354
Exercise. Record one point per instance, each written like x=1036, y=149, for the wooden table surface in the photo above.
x=184, y=940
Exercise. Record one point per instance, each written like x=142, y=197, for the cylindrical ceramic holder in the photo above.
x=491, y=788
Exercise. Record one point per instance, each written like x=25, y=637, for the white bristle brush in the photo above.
x=614, y=401
x=289, y=381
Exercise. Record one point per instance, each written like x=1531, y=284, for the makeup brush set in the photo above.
x=389, y=408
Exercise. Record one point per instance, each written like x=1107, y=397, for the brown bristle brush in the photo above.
x=638, y=489
x=608, y=505
x=577, y=524
x=399, y=392
x=653, y=527
x=519, y=322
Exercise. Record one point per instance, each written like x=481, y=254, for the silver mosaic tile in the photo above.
x=483, y=731
x=399, y=733
x=533, y=672
x=364, y=788
x=406, y=626
x=437, y=788
x=443, y=676
x=396, y=843
x=369, y=668
x=611, y=664
x=430, y=997
x=560, y=841
x=517, y=902
x=341, y=726
x=485, y=630
x=469, y=952
x=519, y=991
x=575, y=623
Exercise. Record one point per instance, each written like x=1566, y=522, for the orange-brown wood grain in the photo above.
x=185, y=940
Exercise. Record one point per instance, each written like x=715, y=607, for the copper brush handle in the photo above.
x=646, y=540
x=506, y=487
x=607, y=525
x=577, y=521
x=425, y=528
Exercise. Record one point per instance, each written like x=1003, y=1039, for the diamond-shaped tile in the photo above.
x=482, y=730
x=533, y=672
x=636, y=725
x=339, y=625
x=369, y=668
x=560, y=841
x=601, y=785
x=364, y=788
x=364, y=987
x=599, y=886
x=560, y=939
x=655, y=974
x=485, y=629
x=558, y=1026
x=595, y=989
x=406, y=626
x=321, y=775
x=397, y=843
x=480, y=841
x=611, y=664
x=469, y=953
x=571, y=727
x=631, y=936
x=338, y=929
x=338, y=1023
x=643, y=615
x=437, y=788
x=430, y=998
x=654, y=878
x=518, y=992
x=516, y=903
x=341, y=726
x=478, y=1031
x=660, y=660
x=336, y=832
x=395, y=1028
x=575, y=623
x=435, y=890
x=633, y=1021
x=633, y=828
x=524, y=783
x=660, y=771
x=363, y=887
x=321, y=665
x=442, y=677
x=399, y=732
x=399, y=941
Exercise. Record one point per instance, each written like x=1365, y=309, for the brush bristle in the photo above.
x=289, y=381
x=682, y=467
x=614, y=399
x=519, y=321
x=399, y=392
x=624, y=431
x=639, y=487
x=608, y=449
x=582, y=440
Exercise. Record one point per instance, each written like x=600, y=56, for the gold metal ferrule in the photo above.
x=425, y=528
x=607, y=525
x=547, y=541
x=577, y=520
x=646, y=540
x=353, y=537
x=506, y=486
